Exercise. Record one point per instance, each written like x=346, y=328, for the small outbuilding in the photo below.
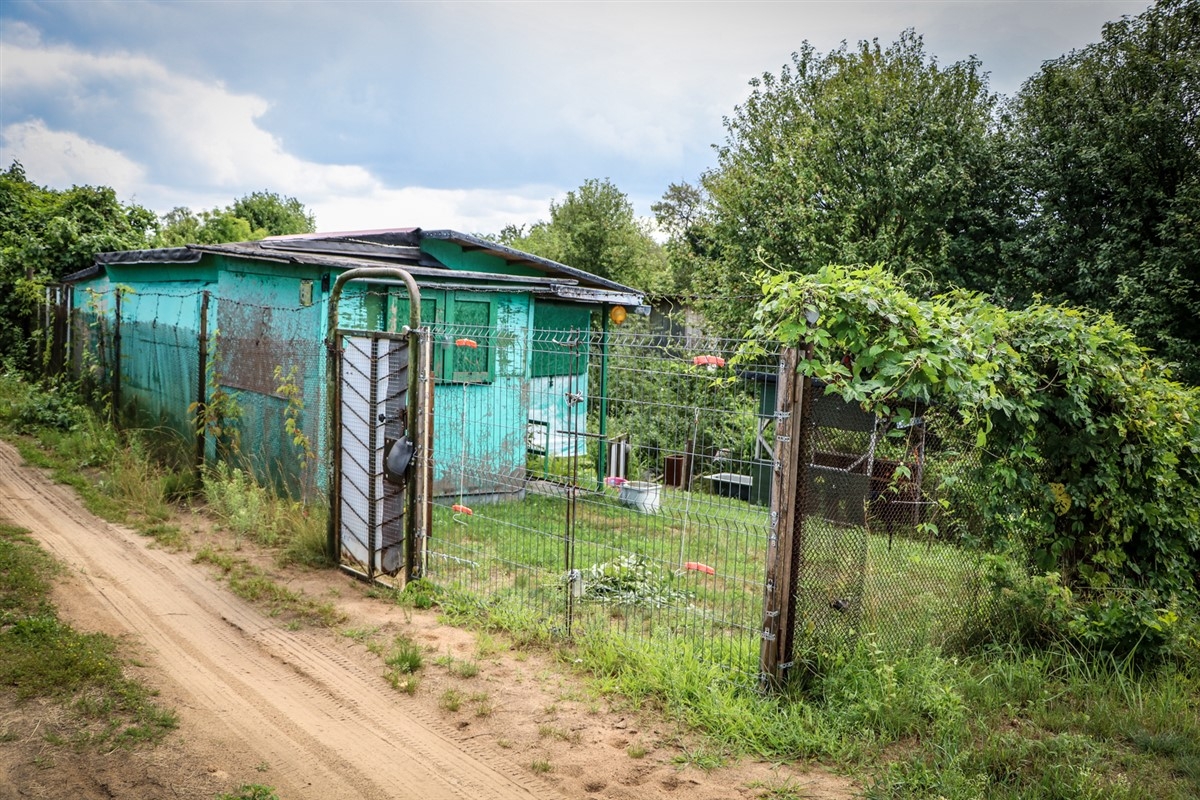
x=226, y=346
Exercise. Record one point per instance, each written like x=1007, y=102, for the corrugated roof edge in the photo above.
x=161, y=255
x=510, y=254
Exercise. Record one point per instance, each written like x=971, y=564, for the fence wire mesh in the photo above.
x=624, y=483
x=890, y=545
x=184, y=365
x=619, y=477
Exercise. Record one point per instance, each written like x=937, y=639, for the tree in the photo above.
x=684, y=214
x=861, y=155
x=1106, y=139
x=249, y=218
x=276, y=215
x=594, y=229
x=178, y=227
x=46, y=234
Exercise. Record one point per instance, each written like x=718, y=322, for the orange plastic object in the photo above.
x=465, y=343
x=698, y=567
x=459, y=509
x=708, y=361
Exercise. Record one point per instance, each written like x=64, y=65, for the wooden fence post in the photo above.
x=790, y=502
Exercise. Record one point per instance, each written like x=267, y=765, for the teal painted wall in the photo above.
x=454, y=257
x=480, y=427
x=257, y=322
x=263, y=328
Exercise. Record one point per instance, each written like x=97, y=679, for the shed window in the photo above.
x=555, y=328
x=453, y=317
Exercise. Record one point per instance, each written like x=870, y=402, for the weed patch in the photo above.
x=41, y=656
x=252, y=583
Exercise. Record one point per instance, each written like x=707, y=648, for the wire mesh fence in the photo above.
x=620, y=484
x=204, y=377
x=589, y=476
x=889, y=544
x=629, y=485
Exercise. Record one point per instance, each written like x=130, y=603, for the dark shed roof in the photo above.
x=392, y=247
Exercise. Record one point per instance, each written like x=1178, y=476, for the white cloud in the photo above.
x=62, y=158
x=197, y=133
x=201, y=145
x=466, y=210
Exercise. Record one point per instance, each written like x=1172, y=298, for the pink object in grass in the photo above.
x=698, y=567
x=708, y=361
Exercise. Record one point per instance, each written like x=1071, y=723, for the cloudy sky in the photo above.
x=465, y=115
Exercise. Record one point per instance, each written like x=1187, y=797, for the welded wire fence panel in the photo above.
x=675, y=542
x=622, y=480
x=499, y=525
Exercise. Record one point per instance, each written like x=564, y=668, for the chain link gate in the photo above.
x=381, y=425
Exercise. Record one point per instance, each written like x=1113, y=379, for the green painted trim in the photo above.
x=454, y=257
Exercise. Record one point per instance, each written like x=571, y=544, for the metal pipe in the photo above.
x=602, y=456
x=332, y=373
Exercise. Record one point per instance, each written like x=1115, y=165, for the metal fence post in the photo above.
x=789, y=502
x=202, y=384
x=116, y=369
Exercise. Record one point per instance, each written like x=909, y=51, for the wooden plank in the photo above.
x=778, y=604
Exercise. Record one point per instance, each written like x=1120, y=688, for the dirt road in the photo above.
x=326, y=727
x=308, y=712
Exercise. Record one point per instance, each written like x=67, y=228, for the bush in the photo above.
x=1091, y=453
x=1137, y=625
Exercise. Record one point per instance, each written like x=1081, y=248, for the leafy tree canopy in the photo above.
x=594, y=229
x=249, y=218
x=278, y=216
x=1106, y=142
x=865, y=154
x=46, y=234
x=1092, y=452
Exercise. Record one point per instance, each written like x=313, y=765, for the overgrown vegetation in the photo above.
x=1091, y=452
x=43, y=657
x=1011, y=720
x=118, y=478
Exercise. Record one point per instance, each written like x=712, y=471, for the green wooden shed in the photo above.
x=240, y=330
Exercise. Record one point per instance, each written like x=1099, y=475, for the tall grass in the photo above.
x=1009, y=722
x=252, y=511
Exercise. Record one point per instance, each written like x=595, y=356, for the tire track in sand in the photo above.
x=326, y=727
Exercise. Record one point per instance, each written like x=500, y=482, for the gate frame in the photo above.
x=418, y=502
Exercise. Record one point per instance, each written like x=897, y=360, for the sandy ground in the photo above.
x=307, y=710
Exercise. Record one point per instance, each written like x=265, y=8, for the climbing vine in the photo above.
x=219, y=416
x=306, y=454
x=1091, y=451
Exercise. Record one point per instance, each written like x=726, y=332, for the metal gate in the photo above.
x=381, y=434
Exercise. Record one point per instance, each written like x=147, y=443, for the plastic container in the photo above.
x=641, y=496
